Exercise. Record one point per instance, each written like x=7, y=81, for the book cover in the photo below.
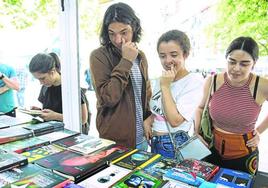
x=139, y=178
x=233, y=178
x=194, y=148
x=40, y=179
x=136, y=159
x=30, y=112
x=177, y=175
x=41, y=152
x=160, y=167
x=73, y=140
x=10, y=160
x=45, y=127
x=201, y=169
x=15, y=174
x=105, y=178
x=13, y=121
x=178, y=184
x=14, y=133
x=58, y=135
x=77, y=166
x=91, y=145
x=3, y=126
x=21, y=146
x=72, y=185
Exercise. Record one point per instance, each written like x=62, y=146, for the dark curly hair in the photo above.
x=123, y=13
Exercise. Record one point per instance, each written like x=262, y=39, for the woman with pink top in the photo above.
x=234, y=106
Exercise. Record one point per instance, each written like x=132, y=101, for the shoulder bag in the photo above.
x=205, y=129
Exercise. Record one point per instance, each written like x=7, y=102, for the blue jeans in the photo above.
x=163, y=144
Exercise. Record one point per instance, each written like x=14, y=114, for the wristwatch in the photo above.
x=2, y=76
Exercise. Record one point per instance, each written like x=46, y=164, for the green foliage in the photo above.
x=21, y=14
x=240, y=18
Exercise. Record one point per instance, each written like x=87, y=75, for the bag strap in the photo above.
x=178, y=155
x=213, y=82
x=256, y=87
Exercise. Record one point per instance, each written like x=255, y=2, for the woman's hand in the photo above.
x=49, y=115
x=35, y=108
x=168, y=77
x=254, y=142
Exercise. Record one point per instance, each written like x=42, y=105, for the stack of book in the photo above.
x=8, y=121
x=12, y=134
x=10, y=160
x=24, y=145
x=78, y=167
x=44, y=128
x=58, y=135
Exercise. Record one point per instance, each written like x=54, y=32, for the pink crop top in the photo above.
x=234, y=109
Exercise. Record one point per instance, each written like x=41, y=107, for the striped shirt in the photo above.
x=136, y=79
x=233, y=108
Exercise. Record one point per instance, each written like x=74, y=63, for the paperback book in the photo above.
x=76, y=166
x=233, y=178
x=139, y=178
x=91, y=145
x=58, y=135
x=21, y=146
x=12, y=134
x=201, y=169
x=44, y=128
x=3, y=126
x=15, y=174
x=105, y=178
x=30, y=112
x=40, y=179
x=13, y=121
x=176, y=175
x=41, y=152
x=136, y=159
x=160, y=167
x=10, y=160
x=73, y=140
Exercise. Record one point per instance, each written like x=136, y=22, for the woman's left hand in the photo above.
x=254, y=142
x=48, y=115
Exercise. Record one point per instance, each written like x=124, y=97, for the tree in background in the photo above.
x=21, y=14
x=240, y=17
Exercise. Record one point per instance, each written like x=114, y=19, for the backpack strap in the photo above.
x=214, y=83
x=256, y=87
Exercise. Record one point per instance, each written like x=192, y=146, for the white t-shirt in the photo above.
x=186, y=92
